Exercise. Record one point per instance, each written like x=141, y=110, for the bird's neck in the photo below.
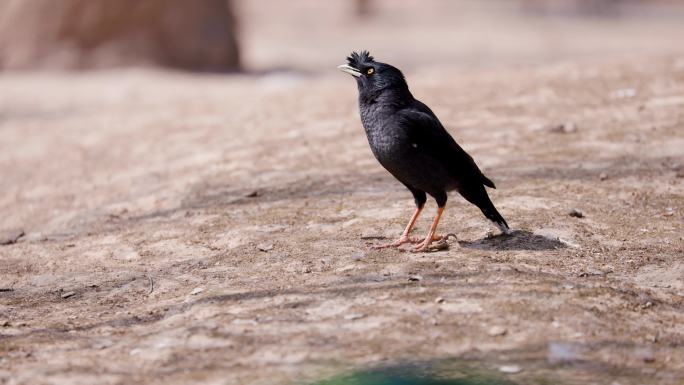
x=387, y=98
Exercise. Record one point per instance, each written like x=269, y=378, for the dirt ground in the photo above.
x=217, y=229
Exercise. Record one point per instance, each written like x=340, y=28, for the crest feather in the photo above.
x=357, y=60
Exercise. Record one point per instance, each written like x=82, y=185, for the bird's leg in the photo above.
x=405, y=235
x=425, y=244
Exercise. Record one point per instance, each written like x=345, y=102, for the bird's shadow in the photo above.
x=516, y=240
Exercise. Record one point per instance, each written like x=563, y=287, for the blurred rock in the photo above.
x=75, y=34
x=8, y=237
x=496, y=331
x=562, y=352
x=576, y=213
x=564, y=128
x=510, y=369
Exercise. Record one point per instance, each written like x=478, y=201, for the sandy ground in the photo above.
x=217, y=229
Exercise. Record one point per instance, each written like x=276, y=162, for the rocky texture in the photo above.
x=195, y=35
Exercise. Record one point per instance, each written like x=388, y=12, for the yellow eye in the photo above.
x=370, y=71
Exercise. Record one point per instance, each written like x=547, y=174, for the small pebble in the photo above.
x=358, y=255
x=265, y=247
x=415, y=278
x=576, y=213
x=68, y=294
x=102, y=344
x=564, y=128
x=511, y=369
x=603, y=176
x=351, y=317
x=196, y=291
x=439, y=300
x=495, y=331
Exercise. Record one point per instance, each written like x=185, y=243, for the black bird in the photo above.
x=410, y=142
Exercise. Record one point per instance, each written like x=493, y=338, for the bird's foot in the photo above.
x=428, y=245
x=402, y=240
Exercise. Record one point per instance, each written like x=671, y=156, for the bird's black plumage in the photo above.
x=411, y=143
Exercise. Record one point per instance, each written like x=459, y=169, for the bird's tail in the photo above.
x=493, y=215
x=482, y=201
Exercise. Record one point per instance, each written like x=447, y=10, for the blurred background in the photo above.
x=262, y=35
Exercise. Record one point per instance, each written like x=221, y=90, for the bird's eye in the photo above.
x=370, y=71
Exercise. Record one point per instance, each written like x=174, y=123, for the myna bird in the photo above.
x=410, y=142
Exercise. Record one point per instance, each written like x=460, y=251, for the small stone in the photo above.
x=439, y=300
x=358, y=255
x=645, y=354
x=102, y=344
x=9, y=237
x=511, y=369
x=603, y=176
x=196, y=291
x=563, y=352
x=265, y=247
x=252, y=194
x=5, y=323
x=415, y=278
x=564, y=128
x=68, y=294
x=576, y=213
x=669, y=212
x=496, y=331
x=351, y=317
x=569, y=127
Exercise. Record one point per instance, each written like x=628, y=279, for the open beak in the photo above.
x=350, y=70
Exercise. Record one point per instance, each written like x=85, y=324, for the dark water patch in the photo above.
x=430, y=373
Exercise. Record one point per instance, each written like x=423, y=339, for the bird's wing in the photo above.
x=431, y=138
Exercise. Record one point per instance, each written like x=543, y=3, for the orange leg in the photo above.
x=405, y=235
x=425, y=244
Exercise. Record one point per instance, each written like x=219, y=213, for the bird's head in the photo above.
x=372, y=77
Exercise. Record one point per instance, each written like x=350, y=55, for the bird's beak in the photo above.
x=350, y=70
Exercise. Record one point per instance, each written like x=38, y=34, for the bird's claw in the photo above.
x=402, y=240
x=427, y=245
